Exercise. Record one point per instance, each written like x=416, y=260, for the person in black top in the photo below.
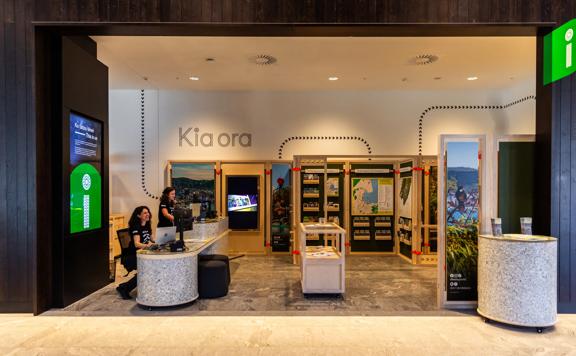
x=141, y=237
x=166, y=209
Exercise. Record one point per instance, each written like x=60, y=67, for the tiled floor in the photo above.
x=278, y=335
x=383, y=285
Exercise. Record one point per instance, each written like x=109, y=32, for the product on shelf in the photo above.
x=383, y=234
x=334, y=219
x=311, y=190
x=333, y=205
x=311, y=177
x=383, y=221
x=307, y=219
x=361, y=234
x=312, y=204
x=361, y=221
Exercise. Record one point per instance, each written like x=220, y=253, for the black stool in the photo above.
x=222, y=258
x=212, y=279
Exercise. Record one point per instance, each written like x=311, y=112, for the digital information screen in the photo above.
x=243, y=202
x=85, y=174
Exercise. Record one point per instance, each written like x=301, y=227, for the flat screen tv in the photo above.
x=242, y=207
x=85, y=169
x=242, y=203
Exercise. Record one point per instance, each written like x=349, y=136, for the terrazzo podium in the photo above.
x=517, y=279
x=171, y=278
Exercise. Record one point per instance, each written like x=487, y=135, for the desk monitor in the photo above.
x=165, y=235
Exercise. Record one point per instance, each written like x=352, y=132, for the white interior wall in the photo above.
x=388, y=121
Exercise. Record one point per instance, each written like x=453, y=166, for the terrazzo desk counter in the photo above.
x=517, y=279
x=171, y=278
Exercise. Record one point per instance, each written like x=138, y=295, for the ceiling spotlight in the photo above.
x=472, y=78
x=210, y=59
x=437, y=78
x=194, y=78
x=332, y=78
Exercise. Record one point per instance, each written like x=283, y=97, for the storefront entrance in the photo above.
x=401, y=236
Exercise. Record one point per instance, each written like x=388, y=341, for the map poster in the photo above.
x=372, y=196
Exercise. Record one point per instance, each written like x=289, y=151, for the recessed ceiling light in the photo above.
x=423, y=59
x=472, y=78
x=332, y=78
x=194, y=78
x=437, y=78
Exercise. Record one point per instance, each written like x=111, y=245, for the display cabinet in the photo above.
x=322, y=266
x=321, y=195
x=372, y=207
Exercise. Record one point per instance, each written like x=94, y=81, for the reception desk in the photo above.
x=171, y=278
x=517, y=279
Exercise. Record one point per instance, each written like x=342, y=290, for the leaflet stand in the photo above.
x=322, y=267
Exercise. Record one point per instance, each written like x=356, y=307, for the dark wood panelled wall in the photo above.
x=25, y=120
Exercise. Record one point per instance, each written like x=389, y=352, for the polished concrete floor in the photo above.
x=278, y=335
x=270, y=285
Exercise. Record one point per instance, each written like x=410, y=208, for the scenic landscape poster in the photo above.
x=462, y=218
x=195, y=186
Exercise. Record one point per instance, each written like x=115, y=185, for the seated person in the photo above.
x=141, y=237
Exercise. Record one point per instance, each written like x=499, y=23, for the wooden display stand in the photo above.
x=322, y=267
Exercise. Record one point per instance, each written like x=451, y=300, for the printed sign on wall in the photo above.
x=462, y=219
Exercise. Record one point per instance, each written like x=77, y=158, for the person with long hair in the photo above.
x=140, y=237
x=166, y=208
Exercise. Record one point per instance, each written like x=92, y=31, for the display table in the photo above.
x=171, y=278
x=517, y=279
x=322, y=267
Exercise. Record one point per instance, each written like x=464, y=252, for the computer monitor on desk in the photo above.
x=165, y=235
x=183, y=220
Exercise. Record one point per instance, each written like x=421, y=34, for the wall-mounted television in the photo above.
x=85, y=173
x=242, y=205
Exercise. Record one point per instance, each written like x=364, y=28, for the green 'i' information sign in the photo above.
x=560, y=52
x=85, y=193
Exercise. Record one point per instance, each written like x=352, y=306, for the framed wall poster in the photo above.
x=195, y=186
x=372, y=196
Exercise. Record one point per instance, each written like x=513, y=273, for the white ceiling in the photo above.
x=305, y=63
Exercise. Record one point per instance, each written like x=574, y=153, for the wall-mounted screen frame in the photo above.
x=244, y=191
x=85, y=173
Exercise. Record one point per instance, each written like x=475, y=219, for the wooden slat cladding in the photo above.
x=563, y=221
x=305, y=11
x=21, y=137
x=17, y=158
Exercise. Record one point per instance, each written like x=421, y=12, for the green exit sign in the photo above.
x=560, y=52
